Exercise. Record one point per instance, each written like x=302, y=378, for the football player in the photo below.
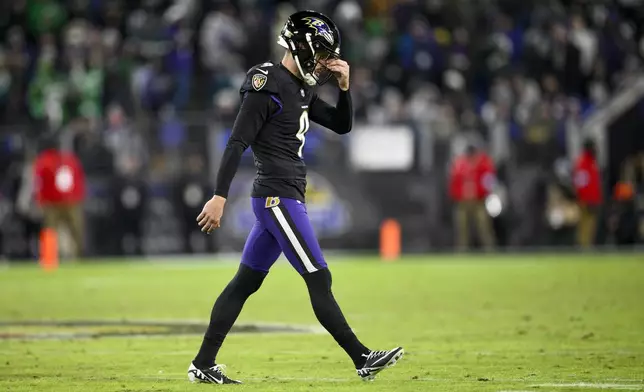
x=278, y=103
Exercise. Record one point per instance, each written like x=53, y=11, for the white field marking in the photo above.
x=325, y=379
x=518, y=390
x=175, y=376
x=305, y=379
x=630, y=387
x=590, y=385
x=257, y=379
x=524, y=352
x=331, y=379
x=180, y=376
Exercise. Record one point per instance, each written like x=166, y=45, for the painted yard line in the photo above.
x=255, y=379
x=590, y=385
x=300, y=379
x=163, y=377
x=519, y=390
x=534, y=352
x=175, y=376
x=305, y=379
x=580, y=385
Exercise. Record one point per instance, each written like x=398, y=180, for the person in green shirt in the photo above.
x=45, y=16
x=44, y=90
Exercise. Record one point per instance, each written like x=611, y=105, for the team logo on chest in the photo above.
x=258, y=81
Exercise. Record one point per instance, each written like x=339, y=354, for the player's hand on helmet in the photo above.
x=210, y=217
x=340, y=69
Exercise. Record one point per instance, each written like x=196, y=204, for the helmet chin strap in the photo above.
x=308, y=78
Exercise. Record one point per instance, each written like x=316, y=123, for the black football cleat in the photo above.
x=213, y=375
x=377, y=361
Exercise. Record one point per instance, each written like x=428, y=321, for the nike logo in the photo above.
x=215, y=379
x=206, y=377
x=262, y=71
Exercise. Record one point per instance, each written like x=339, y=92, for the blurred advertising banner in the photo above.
x=382, y=148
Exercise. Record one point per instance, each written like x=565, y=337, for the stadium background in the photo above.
x=144, y=92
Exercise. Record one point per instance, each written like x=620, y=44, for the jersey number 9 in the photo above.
x=304, y=128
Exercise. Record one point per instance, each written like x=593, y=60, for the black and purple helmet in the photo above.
x=310, y=37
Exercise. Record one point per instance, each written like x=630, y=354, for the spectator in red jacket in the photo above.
x=60, y=191
x=588, y=184
x=472, y=177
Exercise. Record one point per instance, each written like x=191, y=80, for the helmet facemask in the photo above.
x=312, y=61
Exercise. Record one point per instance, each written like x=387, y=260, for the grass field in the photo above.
x=487, y=323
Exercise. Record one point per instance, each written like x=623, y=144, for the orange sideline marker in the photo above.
x=390, y=237
x=48, y=249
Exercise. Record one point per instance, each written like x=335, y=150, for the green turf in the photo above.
x=467, y=323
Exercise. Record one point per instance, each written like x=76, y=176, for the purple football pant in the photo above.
x=282, y=225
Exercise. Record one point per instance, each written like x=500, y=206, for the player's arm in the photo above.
x=255, y=110
x=337, y=118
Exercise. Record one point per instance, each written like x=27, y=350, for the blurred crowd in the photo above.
x=120, y=81
x=461, y=65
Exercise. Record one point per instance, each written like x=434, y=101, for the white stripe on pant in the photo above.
x=290, y=236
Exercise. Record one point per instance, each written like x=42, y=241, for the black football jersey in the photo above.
x=275, y=115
